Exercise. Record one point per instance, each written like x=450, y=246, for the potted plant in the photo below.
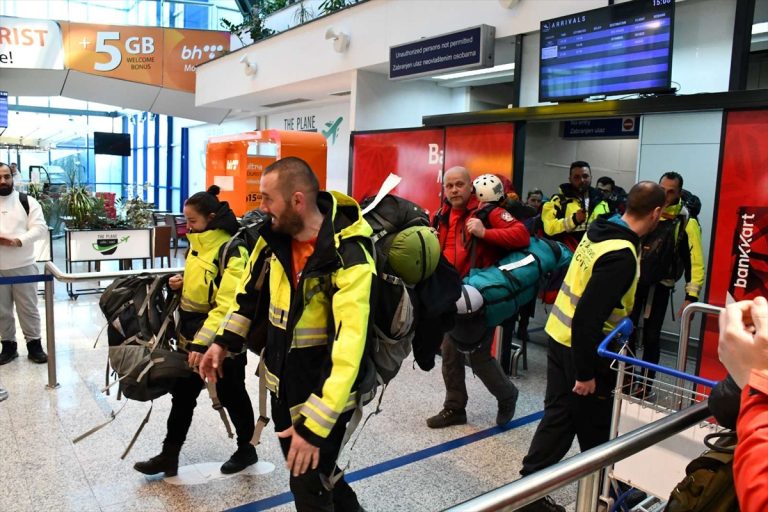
x=137, y=213
x=252, y=25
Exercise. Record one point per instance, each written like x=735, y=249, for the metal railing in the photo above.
x=585, y=466
x=53, y=272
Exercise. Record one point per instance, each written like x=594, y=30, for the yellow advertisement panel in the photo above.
x=115, y=51
x=185, y=50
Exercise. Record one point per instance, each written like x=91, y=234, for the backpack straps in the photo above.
x=24, y=200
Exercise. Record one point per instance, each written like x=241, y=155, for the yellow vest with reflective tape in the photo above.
x=579, y=273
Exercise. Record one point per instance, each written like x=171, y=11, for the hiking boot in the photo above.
x=545, y=504
x=35, y=352
x=163, y=463
x=507, y=409
x=241, y=459
x=447, y=417
x=9, y=352
x=3, y=394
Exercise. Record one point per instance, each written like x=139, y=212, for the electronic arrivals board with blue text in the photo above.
x=620, y=49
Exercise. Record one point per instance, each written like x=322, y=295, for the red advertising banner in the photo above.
x=483, y=148
x=414, y=155
x=739, y=264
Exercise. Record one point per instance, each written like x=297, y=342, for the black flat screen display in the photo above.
x=105, y=143
x=620, y=49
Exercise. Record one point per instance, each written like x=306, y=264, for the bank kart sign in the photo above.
x=470, y=48
x=109, y=245
x=749, y=255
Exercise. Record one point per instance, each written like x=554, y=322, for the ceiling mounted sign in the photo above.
x=470, y=48
x=30, y=44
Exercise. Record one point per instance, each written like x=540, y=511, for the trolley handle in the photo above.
x=622, y=332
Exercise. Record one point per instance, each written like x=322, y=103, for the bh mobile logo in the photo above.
x=197, y=53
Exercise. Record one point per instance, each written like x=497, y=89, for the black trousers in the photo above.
x=483, y=364
x=568, y=415
x=521, y=319
x=309, y=494
x=232, y=394
x=651, y=331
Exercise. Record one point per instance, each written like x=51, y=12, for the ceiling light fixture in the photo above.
x=477, y=72
x=340, y=40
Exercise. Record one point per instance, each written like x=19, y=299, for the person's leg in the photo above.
x=184, y=399
x=653, y=325
x=453, y=412
x=507, y=334
x=7, y=323
x=25, y=298
x=593, y=414
x=487, y=368
x=555, y=433
x=235, y=399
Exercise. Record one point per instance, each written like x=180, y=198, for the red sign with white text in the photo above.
x=739, y=264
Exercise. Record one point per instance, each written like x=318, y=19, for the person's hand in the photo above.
x=10, y=242
x=301, y=454
x=584, y=387
x=175, y=282
x=475, y=227
x=211, y=367
x=682, y=307
x=194, y=358
x=743, y=344
x=580, y=216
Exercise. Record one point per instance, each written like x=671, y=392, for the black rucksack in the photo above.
x=664, y=251
x=140, y=325
x=692, y=203
x=246, y=236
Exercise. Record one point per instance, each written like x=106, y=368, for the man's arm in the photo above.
x=612, y=276
x=505, y=231
x=750, y=462
x=554, y=224
x=37, y=229
x=693, y=287
x=351, y=303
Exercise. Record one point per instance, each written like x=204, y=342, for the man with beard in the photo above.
x=318, y=288
x=568, y=214
x=21, y=223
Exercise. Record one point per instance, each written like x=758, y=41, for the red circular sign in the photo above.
x=628, y=124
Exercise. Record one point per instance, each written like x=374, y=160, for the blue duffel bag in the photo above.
x=514, y=280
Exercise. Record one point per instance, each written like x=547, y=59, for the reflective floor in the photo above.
x=397, y=464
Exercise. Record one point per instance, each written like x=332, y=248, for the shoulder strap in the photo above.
x=226, y=250
x=24, y=199
x=484, y=213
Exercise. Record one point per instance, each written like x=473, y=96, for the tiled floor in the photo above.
x=43, y=470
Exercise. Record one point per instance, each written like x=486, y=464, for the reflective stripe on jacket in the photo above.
x=579, y=273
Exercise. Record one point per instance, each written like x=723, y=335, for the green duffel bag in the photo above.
x=514, y=280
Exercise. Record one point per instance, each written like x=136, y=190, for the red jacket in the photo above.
x=503, y=234
x=750, y=462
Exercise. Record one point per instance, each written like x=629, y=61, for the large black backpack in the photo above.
x=140, y=324
x=664, y=251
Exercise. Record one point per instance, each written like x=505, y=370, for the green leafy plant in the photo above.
x=137, y=213
x=329, y=6
x=80, y=207
x=252, y=24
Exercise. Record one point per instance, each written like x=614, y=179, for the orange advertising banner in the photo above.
x=114, y=51
x=184, y=50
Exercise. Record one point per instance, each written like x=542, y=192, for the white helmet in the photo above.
x=488, y=188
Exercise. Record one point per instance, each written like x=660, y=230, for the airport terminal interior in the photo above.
x=115, y=112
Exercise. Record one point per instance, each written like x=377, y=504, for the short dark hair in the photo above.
x=294, y=175
x=672, y=175
x=205, y=203
x=645, y=197
x=606, y=180
x=535, y=191
x=579, y=163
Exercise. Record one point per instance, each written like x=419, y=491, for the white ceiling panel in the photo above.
x=182, y=104
x=110, y=91
x=32, y=82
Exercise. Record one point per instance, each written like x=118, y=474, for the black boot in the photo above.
x=167, y=462
x=241, y=459
x=35, y=352
x=9, y=352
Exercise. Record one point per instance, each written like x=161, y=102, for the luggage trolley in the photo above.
x=639, y=400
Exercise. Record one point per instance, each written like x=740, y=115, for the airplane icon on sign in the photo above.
x=332, y=129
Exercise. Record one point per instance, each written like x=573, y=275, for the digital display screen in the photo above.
x=619, y=49
x=3, y=109
x=105, y=143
